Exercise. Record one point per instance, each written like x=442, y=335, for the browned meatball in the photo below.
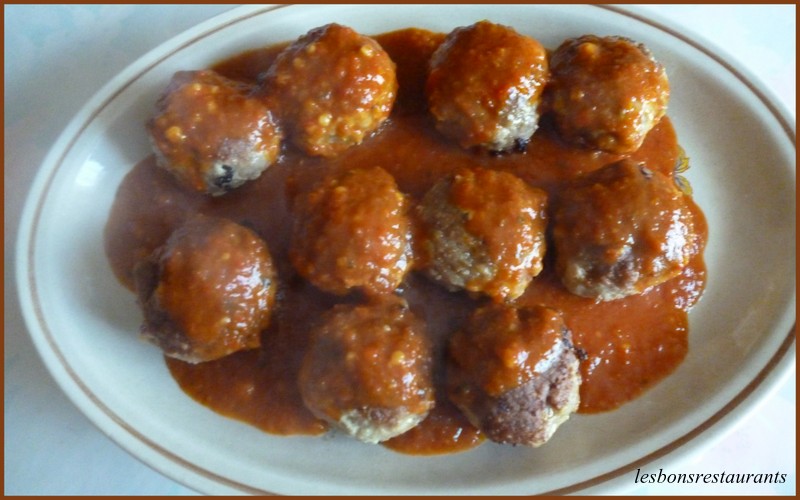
x=208, y=292
x=352, y=231
x=485, y=84
x=514, y=373
x=606, y=93
x=368, y=370
x=211, y=134
x=620, y=230
x=483, y=231
x=334, y=87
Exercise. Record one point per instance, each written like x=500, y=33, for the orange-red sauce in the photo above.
x=630, y=344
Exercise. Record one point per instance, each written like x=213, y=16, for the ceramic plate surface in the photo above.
x=84, y=323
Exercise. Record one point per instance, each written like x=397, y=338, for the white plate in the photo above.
x=742, y=333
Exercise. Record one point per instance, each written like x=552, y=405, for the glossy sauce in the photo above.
x=630, y=344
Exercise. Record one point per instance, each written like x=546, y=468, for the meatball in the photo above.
x=514, y=373
x=484, y=86
x=334, y=87
x=208, y=291
x=211, y=133
x=353, y=231
x=606, y=93
x=483, y=231
x=368, y=370
x=620, y=230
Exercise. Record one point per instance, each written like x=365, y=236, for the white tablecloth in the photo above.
x=57, y=57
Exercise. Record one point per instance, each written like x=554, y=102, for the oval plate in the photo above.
x=84, y=323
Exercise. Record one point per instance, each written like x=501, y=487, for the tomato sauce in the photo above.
x=629, y=344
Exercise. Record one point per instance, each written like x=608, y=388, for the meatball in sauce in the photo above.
x=208, y=292
x=606, y=93
x=333, y=88
x=621, y=230
x=352, y=231
x=211, y=134
x=483, y=231
x=484, y=86
x=514, y=373
x=369, y=370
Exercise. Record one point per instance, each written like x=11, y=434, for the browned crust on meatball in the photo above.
x=484, y=86
x=531, y=413
x=208, y=292
x=333, y=88
x=483, y=231
x=606, y=93
x=514, y=373
x=211, y=134
x=620, y=230
x=352, y=232
x=368, y=370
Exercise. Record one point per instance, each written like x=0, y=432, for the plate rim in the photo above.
x=81, y=395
